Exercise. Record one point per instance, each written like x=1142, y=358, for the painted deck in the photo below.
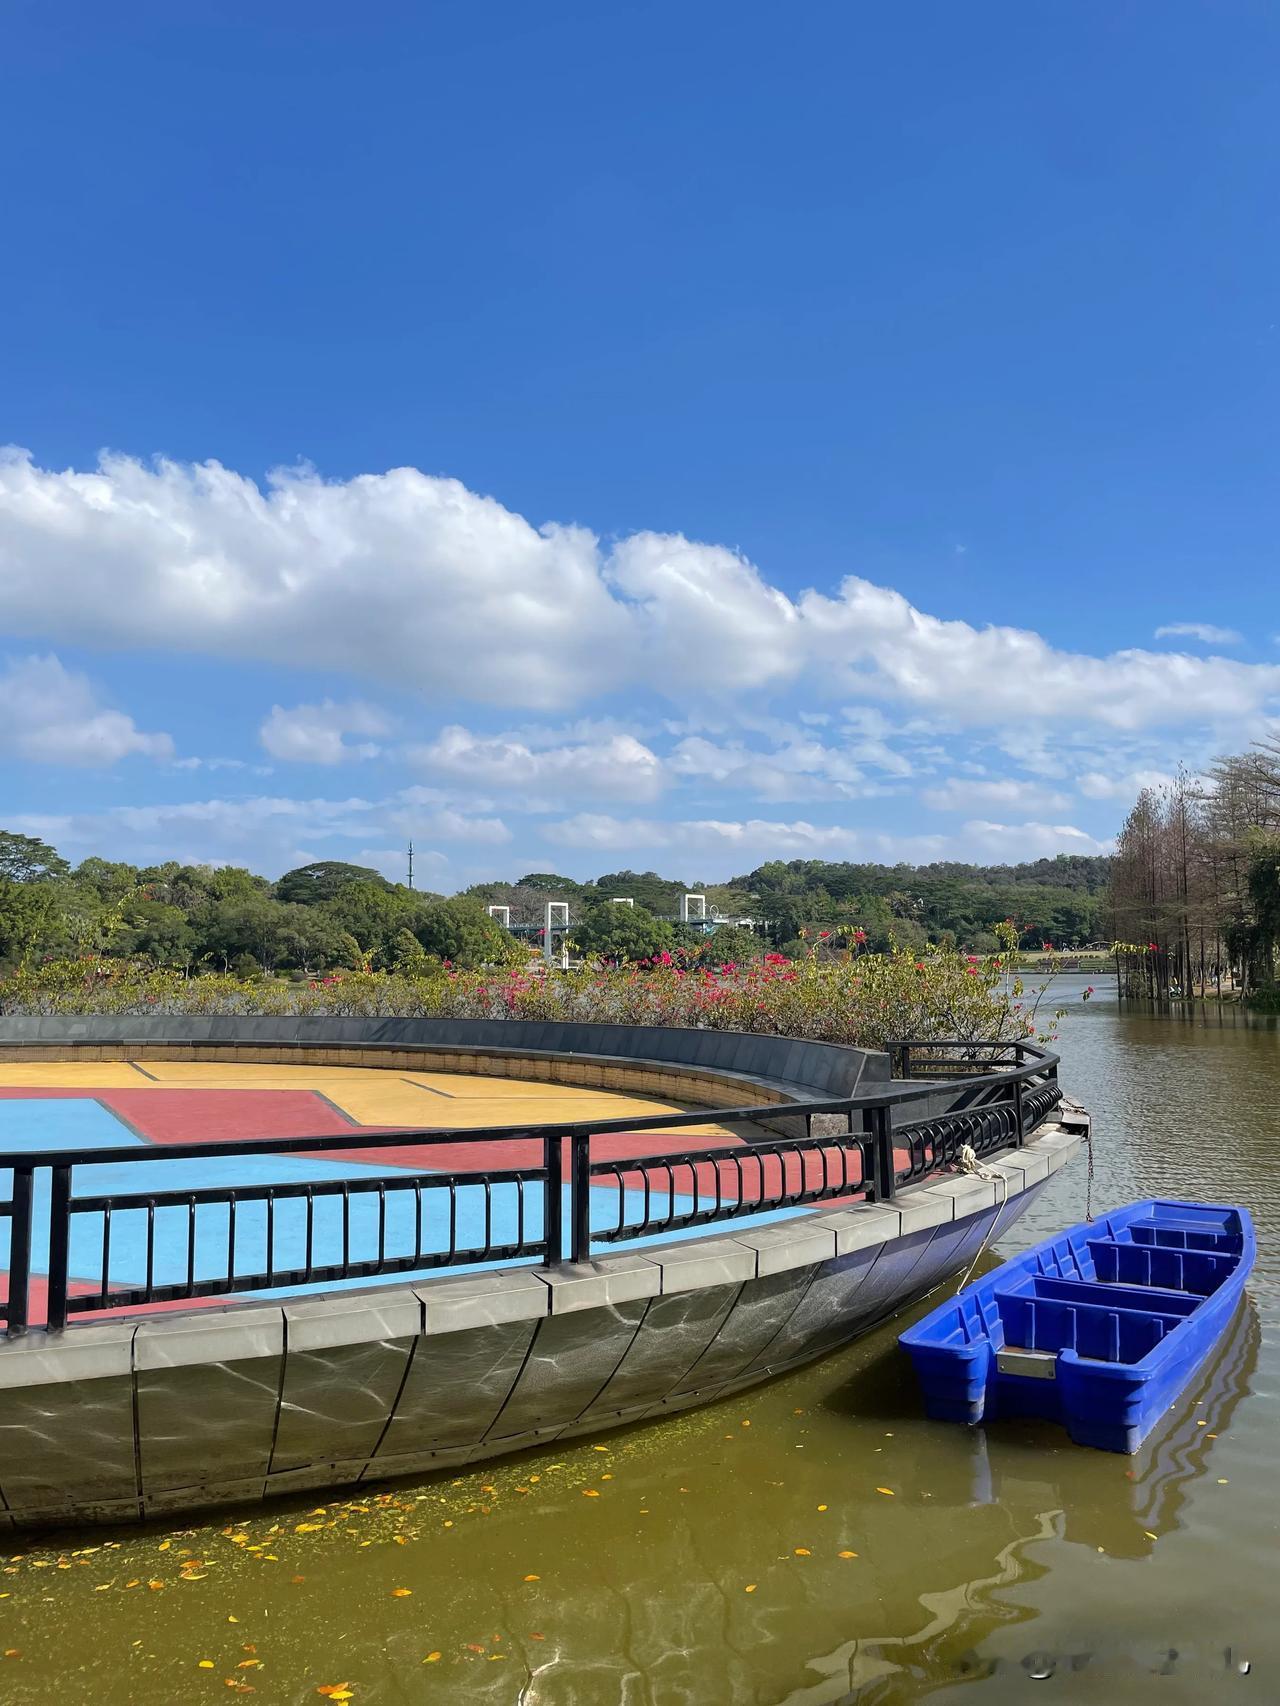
x=107, y=1105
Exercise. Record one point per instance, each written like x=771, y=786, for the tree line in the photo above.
x=330, y=915
x=1196, y=880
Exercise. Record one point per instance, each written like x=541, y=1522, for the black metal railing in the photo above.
x=549, y=1201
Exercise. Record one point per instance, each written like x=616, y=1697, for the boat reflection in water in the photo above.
x=1045, y=1489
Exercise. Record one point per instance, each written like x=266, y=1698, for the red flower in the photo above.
x=1153, y=947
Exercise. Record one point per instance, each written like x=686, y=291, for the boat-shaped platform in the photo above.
x=1099, y=1328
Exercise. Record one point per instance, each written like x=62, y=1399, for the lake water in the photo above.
x=814, y=1542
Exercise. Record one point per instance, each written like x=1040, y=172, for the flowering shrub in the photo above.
x=860, y=998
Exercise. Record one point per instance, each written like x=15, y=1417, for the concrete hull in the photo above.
x=148, y=1416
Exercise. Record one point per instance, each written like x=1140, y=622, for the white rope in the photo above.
x=967, y=1161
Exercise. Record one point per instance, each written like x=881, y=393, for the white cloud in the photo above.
x=314, y=734
x=870, y=639
x=748, y=841
x=617, y=765
x=1207, y=632
x=399, y=575
x=51, y=715
x=267, y=832
x=963, y=795
x=411, y=579
x=1011, y=842
x=1097, y=785
x=797, y=768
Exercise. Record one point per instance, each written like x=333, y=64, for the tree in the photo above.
x=462, y=931
x=25, y=859
x=110, y=879
x=549, y=883
x=612, y=932
x=729, y=944
x=155, y=930
x=28, y=913
x=310, y=884
x=656, y=894
x=372, y=913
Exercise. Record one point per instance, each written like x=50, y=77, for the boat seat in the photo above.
x=1200, y=1272
x=1184, y=1236
x=1090, y=1329
x=1141, y=1297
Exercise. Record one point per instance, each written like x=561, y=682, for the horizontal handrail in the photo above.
x=207, y=1240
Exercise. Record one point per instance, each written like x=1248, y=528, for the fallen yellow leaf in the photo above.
x=847, y=1554
x=750, y=1588
x=533, y=1578
x=431, y=1659
x=206, y=1664
x=590, y=1493
x=887, y=1491
x=803, y=1552
x=822, y=1507
x=401, y=1593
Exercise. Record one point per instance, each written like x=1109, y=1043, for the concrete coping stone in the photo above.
x=860, y=1227
x=482, y=1300
x=925, y=1207
x=209, y=1336
x=83, y=1353
x=792, y=1244
x=603, y=1281
x=723, y=1260
x=352, y=1318
x=969, y=1193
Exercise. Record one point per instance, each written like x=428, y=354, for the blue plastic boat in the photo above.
x=1099, y=1328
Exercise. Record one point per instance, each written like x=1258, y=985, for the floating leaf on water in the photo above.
x=887, y=1491
x=401, y=1593
x=822, y=1507
x=846, y=1554
x=590, y=1493
x=533, y=1578
x=750, y=1587
x=431, y=1659
x=803, y=1552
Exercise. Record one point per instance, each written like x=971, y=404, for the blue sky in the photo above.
x=579, y=436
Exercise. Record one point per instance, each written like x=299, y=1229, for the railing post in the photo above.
x=553, y=1166
x=580, y=1198
x=59, y=1247
x=19, y=1253
x=884, y=1184
x=1019, y=1120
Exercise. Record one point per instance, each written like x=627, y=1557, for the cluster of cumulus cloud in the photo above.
x=411, y=586
x=412, y=579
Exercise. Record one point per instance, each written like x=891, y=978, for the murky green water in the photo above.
x=814, y=1542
